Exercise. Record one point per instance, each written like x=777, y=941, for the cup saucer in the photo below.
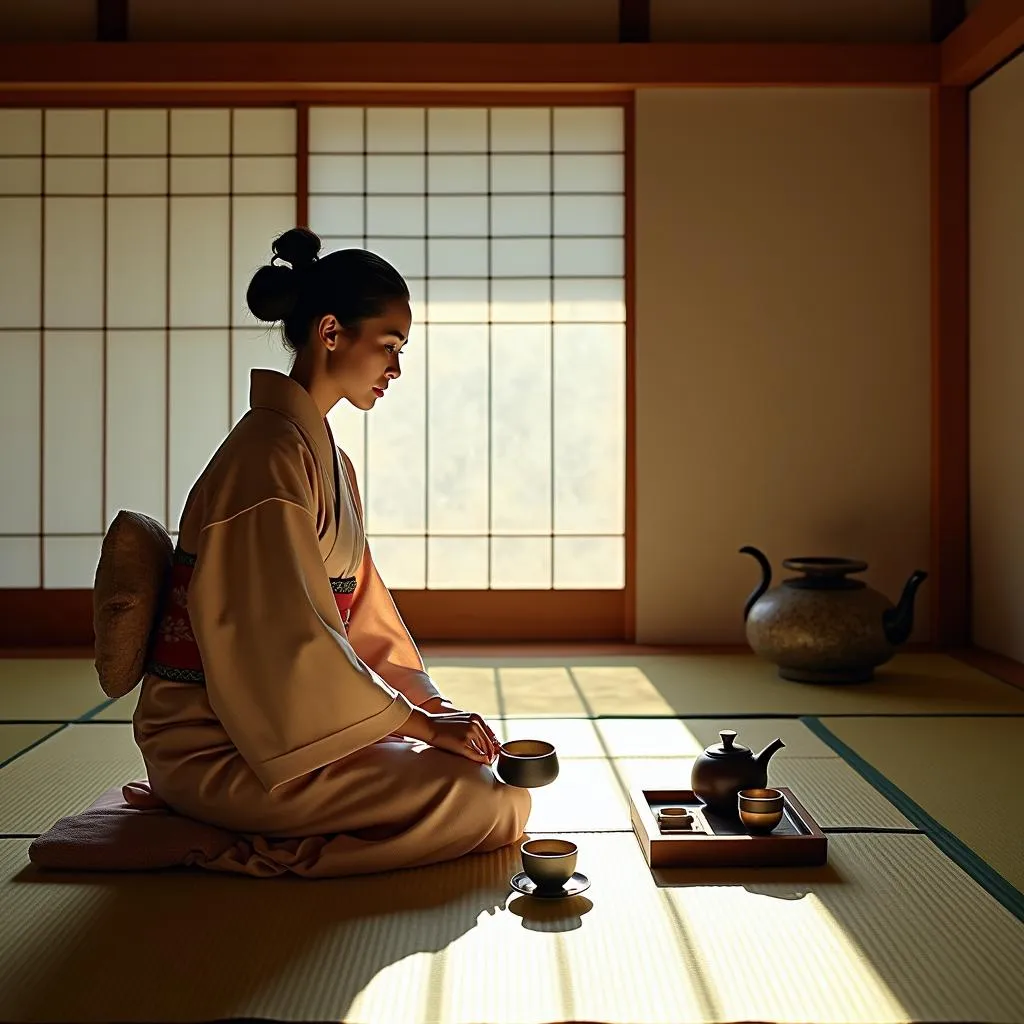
x=522, y=882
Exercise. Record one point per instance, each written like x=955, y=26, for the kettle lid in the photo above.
x=728, y=747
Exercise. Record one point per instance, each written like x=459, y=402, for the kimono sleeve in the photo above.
x=376, y=628
x=281, y=675
x=381, y=639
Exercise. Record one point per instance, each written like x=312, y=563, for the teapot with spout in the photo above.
x=727, y=767
x=822, y=626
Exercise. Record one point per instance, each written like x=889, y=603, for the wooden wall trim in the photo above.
x=945, y=16
x=950, y=550
x=388, y=66
x=990, y=35
x=998, y=665
x=62, y=619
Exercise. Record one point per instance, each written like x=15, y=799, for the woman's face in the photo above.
x=364, y=361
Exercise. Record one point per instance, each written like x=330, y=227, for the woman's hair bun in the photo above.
x=299, y=247
x=274, y=290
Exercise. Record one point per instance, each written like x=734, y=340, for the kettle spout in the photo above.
x=899, y=621
x=766, y=755
x=766, y=578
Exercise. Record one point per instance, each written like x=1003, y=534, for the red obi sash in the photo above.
x=174, y=653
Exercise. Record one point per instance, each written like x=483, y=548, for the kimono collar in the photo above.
x=269, y=389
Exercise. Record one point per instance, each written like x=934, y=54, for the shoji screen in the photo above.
x=127, y=238
x=498, y=460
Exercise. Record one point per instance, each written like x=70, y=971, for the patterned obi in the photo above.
x=174, y=653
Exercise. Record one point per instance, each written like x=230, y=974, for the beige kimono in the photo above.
x=294, y=727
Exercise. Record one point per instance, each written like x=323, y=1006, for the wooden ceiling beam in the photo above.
x=311, y=66
x=988, y=37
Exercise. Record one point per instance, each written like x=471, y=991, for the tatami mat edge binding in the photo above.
x=985, y=875
x=35, y=743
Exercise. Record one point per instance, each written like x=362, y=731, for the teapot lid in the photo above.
x=728, y=747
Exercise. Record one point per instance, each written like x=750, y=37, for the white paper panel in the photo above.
x=336, y=174
x=395, y=215
x=457, y=130
x=588, y=173
x=520, y=174
x=263, y=132
x=136, y=262
x=520, y=563
x=516, y=300
x=331, y=244
x=19, y=429
x=200, y=131
x=256, y=221
x=21, y=132
x=596, y=299
x=266, y=174
x=394, y=484
x=401, y=561
x=74, y=132
x=20, y=285
x=521, y=417
x=348, y=424
x=586, y=257
x=335, y=129
x=199, y=261
x=136, y=423
x=137, y=132
x=74, y=263
x=21, y=175
x=143, y=175
x=521, y=257
x=69, y=563
x=254, y=347
x=395, y=130
x=73, y=432
x=520, y=129
x=590, y=563
x=461, y=300
x=455, y=217
x=75, y=176
x=391, y=174
x=457, y=430
x=19, y=562
x=589, y=442
x=588, y=129
x=457, y=563
x=336, y=215
x=407, y=255
x=200, y=413
x=589, y=215
x=458, y=257
x=457, y=173
x=203, y=175
x=521, y=215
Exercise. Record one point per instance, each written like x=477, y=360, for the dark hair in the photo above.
x=351, y=284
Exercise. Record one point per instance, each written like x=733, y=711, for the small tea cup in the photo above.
x=760, y=809
x=527, y=764
x=675, y=817
x=549, y=863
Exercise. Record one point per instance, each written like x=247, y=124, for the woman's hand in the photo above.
x=462, y=732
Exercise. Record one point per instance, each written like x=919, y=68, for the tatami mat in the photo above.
x=890, y=931
x=16, y=738
x=47, y=689
x=967, y=773
x=592, y=686
x=65, y=774
x=713, y=684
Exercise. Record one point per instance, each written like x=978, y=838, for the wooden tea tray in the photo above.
x=725, y=842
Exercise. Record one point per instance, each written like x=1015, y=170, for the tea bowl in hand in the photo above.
x=527, y=764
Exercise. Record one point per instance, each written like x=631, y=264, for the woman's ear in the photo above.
x=329, y=332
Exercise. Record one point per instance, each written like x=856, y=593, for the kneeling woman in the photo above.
x=284, y=696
